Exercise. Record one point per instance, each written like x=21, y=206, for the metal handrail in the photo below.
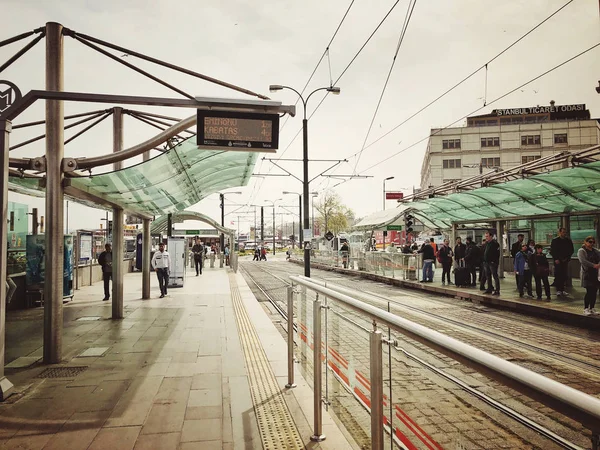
x=571, y=402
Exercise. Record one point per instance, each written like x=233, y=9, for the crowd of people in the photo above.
x=530, y=263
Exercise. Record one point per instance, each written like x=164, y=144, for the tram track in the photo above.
x=586, y=366
x=504, y=409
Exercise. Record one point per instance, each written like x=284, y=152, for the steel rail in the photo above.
x=165, y=64
x=72, y=116
x=22, y=36
x=132, y=67
x=569, y=401
x=22, y=52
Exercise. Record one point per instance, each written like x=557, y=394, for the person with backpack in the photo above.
x=428, y=259
x=263, y=254
x=444, y=257
x=540, y=268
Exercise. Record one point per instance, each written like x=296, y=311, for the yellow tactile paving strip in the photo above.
x=277, y=429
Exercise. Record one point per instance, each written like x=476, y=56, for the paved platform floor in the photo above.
x=173, y=374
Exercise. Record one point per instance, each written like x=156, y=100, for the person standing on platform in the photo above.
x=227, y=252
x=523, y=270
x=491, y=258
x=161, y=262
x=514, y=249
x=460, y=250
x=198, y=251
x=105, y=261
x=428, y=259
x=589, y=257
x=472, y=258
x=561, y=249
x=540, y=268
x=445, y=258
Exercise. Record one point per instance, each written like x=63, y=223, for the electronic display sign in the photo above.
x=238, y=130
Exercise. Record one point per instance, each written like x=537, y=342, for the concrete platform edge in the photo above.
x=301, y=402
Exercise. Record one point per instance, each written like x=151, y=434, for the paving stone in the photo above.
x=165, y=441
x=115, y=438
x=201, y=430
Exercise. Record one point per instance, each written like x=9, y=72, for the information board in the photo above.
x=235, y=130
x=85, y=246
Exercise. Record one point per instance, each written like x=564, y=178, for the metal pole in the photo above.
x=262, y=224
x=500, y=236
x=255, y=228
x=305, y=193
x=317, y=372
x=118, y=240
x=290, y=337
x=384, y=194
x=169, y=225
x=146, y=250
x=273, y=228
x=54, y=234
x=34, y=217
x=6, y=387
x=67, y=219
x=222, y=197
x=376, y=364
x=300, y=230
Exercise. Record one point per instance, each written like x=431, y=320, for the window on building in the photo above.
x=528, y=158
x=560, y=138
x=451, y=164
x=490, y=162
x=451, y=143
x=490, y=142
x=530, y=140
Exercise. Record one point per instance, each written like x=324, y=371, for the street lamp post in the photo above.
x=222, y=198
x=300, y=231
x=333, y=90
x=273, y=205
x=385, y=179
x=313, y=195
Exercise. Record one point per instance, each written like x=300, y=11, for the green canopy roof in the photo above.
x=565, y=191
x=170, y=182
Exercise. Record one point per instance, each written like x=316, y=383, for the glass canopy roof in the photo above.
x=170, y=182
x=565, y=191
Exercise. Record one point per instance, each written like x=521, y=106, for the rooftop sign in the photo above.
x=573, y=109
x=235, y=130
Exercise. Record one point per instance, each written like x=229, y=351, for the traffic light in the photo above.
x=408, y=223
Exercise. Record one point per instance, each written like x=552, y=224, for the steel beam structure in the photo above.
x=6, y=387
x=146, y=243
x=118, y=241
x=54, y=235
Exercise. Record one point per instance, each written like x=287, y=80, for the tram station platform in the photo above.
x=203, y=368
x=568, y=310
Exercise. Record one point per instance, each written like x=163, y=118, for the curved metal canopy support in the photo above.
x=160, y=224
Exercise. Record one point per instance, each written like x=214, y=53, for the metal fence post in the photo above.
x=376, y=363
x=318, y=436
x=290, y=337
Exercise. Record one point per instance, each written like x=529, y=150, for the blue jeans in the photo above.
x=428, y=270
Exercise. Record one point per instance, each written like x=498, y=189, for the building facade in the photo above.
x=506, y=138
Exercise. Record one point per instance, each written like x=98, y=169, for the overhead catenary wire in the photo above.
x=489, y=103
x=468, y=76
x=409, y=12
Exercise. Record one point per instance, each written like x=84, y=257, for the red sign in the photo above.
x=394, y=195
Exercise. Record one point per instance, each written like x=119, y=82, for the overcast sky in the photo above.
x=254, y=44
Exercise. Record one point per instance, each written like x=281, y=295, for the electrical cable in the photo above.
x=489, y=103
x=409, y=12
x=470, y=75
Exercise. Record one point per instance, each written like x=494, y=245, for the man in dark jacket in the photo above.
x=198, y=251
x=460, y=251
x=472, y=259
x=516, y=248
x=105, y=261
x=445, y=258
x=561, y=249
x=428, y=259
x=491, y=258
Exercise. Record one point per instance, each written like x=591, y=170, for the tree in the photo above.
x=333, y=215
